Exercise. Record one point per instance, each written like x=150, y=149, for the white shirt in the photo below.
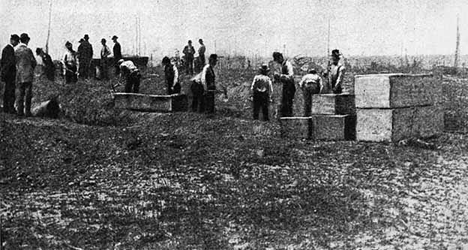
x=203, y=76
x=311, y=78
x=129, y=65
x=289, y=67
x=262, y=83
x=176, y=75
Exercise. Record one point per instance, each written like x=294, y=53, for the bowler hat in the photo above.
x=213, y=57
x=24, y=36
x=86, y=36
x=114, y=37
x=15, y=37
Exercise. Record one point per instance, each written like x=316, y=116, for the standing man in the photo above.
x=286, y=77
x=49, y=68
x=336, y=73
x=8, y=74
x=201, y=53
x=262, y=89
x=172, y=76
x=131, y=74
x=208, y=82
x=25, y=64
x=85, y=56
x=105, y=53
x=117, y=54
x=189, y=51
x=70, y=65
x=310, y=84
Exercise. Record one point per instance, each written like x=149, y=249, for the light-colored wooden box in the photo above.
x=333, y=104
x=395, y=90
x=393, y=125
x=333, y=127
x=296, y=127
x=155, y=103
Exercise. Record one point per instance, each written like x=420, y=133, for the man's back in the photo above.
x=25, y=63
x=117, y=51
x=8, y=61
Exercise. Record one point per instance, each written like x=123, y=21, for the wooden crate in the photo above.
x=157, y=103
x=333, y=104
x=397, y=124
x=333, y=127
x=296, y=127
x=396, y=90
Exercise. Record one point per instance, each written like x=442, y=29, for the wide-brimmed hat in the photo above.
x=335, y=53
x=120, y=61
x=114, y=37
x=264, y=68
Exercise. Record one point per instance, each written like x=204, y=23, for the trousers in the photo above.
x=23, y=98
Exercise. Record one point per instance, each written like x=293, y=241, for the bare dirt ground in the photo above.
x=185, y=181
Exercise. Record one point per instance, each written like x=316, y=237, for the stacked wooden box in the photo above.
x=154, y=103
x=392, y=107
x=333, y=117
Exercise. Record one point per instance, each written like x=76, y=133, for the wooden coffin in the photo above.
x=333, y=127
x=333, y=104
x=395, y=90
x=296, y=127
x=154, y=103
x=393, y=125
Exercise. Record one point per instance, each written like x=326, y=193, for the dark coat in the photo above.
x=8, y=63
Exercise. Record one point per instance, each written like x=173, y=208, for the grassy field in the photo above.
x=103, y=178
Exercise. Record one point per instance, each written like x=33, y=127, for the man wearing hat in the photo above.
x=172, y=76
x=336, y=73
x=117, y=54
x=25, y=64
x=49, y=67
x=286, y=77
x=85, y=56
x=310, y=84
x=189, y=51
x=201, y=53
x=8, y=74
x=208, y=82
x=262, y=89
x=131, y=74
x=105, y=53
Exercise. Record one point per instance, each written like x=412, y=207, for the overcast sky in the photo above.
x=358, y=27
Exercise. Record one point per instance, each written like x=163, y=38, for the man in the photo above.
x=172, y=76
x=49, y=67
x=117, y=54
x=198, y=98
x=70, y=65
x=131, y=74
x=105, y=53
x=85, y=56
x=310, y=84
x=25, y=64
x=262, y=89
x=201, y=53
x=208, y=82
x=286, y=77
x=189, y=51
x=8, y=74
x=336, y=73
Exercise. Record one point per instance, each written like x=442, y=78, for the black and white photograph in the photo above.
x=233, y=124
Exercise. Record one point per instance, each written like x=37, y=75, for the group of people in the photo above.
x=189, y=56
x=310, y=84
x=78, y=63
x=17, y=71
x=18, y=64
